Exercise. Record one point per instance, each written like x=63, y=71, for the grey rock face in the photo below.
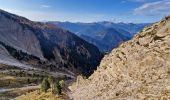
x=13, y=34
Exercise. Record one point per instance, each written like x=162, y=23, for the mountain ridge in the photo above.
x=51, y=44
x=136, y=70
x=97, y=30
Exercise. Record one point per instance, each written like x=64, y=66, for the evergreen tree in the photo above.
x=62, y=83
x=45, y=85
x=58, y=88
x=51, y=80
x=28, y=81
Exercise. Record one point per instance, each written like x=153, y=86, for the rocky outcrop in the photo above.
x=138, y=70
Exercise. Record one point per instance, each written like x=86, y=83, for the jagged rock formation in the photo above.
x=53, y=46
x=138, y=70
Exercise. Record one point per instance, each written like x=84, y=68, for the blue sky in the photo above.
x=137, y=11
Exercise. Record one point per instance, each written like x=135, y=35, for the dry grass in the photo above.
x=37, y=95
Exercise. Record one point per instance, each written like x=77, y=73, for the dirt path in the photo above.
x=22, y=89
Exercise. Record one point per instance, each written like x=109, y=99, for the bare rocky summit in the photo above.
x=138, y=70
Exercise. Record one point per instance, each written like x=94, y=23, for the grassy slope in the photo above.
x=37, y=95
x=15, y=78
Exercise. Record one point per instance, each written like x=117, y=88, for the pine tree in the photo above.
x=51, y=80
x=45, y=85
x=58, y=88
x=61, y=83
x=28, y=81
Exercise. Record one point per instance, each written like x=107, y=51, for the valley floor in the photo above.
x=15, y=82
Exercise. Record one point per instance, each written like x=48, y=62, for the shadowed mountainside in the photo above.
x=53, y=46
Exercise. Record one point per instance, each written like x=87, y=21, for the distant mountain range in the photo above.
x=27, y=43
x=105, y=35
